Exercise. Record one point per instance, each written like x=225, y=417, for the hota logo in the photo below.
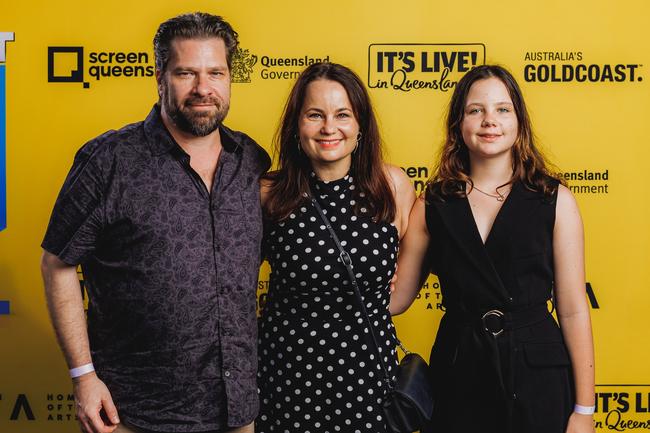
x=407, y=67
x=66, y=65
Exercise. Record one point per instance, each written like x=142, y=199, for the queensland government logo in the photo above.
x=587, y=181
x=407, y=67
x=273, y=67
x=67, y=65
x=242, y=65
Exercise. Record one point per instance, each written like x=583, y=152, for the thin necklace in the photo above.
x=498, y=196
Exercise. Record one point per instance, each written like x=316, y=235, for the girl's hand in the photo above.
x=580, y=424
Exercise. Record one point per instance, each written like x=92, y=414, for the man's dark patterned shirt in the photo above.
x=171, y=273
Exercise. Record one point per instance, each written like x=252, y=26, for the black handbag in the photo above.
x=408, y=402
x=408, y=406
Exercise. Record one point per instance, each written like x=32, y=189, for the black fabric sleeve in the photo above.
x=78, y=215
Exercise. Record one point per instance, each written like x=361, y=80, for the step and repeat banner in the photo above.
x=71, y=70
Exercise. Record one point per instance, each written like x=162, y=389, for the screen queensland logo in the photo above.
x=76, y=64
x=408, y=67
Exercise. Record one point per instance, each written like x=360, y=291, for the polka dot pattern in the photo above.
x=318, y=370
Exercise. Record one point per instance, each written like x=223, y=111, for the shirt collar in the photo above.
x=161, y=141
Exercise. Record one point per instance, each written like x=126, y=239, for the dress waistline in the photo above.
x=483, y=330
x=496, y=321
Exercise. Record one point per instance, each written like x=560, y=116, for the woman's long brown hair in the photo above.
x=289, y=185
x=528, y=164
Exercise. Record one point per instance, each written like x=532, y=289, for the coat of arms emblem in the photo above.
x=242, y=65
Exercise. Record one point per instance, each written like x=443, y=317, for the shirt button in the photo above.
x=227, y=374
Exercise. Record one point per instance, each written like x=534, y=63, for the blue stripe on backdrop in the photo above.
x=3, y=159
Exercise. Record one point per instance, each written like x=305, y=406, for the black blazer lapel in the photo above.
x=520, y=205
x=457, y=217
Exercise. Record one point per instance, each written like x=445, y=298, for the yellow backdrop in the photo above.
x=74, y=69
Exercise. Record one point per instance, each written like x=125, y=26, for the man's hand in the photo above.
x=91, y=396
x=95, y=408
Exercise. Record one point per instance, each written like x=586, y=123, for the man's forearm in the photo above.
x=65, y=304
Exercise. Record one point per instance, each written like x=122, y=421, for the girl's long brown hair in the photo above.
x=289, y=185
x=528, y=164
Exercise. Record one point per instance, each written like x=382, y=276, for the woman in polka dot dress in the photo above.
x=319, y=370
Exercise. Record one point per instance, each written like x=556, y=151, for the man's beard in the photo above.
x=197, y=123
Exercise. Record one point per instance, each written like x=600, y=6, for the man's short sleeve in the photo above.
x=78, y=215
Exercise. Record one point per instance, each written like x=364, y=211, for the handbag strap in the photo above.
x=347, y=261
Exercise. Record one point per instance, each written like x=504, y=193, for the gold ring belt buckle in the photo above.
x=497, y=314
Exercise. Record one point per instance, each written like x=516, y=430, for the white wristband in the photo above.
x=81, y=370
x=584, y=410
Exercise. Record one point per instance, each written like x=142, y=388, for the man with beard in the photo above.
x=164, y=217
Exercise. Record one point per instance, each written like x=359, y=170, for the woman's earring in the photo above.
x=359, y=135
x=298, y=141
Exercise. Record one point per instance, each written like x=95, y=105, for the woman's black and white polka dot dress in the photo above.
x=318, y=368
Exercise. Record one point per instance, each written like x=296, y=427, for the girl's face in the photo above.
x=489, y=126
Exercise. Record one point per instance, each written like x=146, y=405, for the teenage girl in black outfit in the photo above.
x=504, y=237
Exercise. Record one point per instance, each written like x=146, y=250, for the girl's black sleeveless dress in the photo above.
x=499, y=362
